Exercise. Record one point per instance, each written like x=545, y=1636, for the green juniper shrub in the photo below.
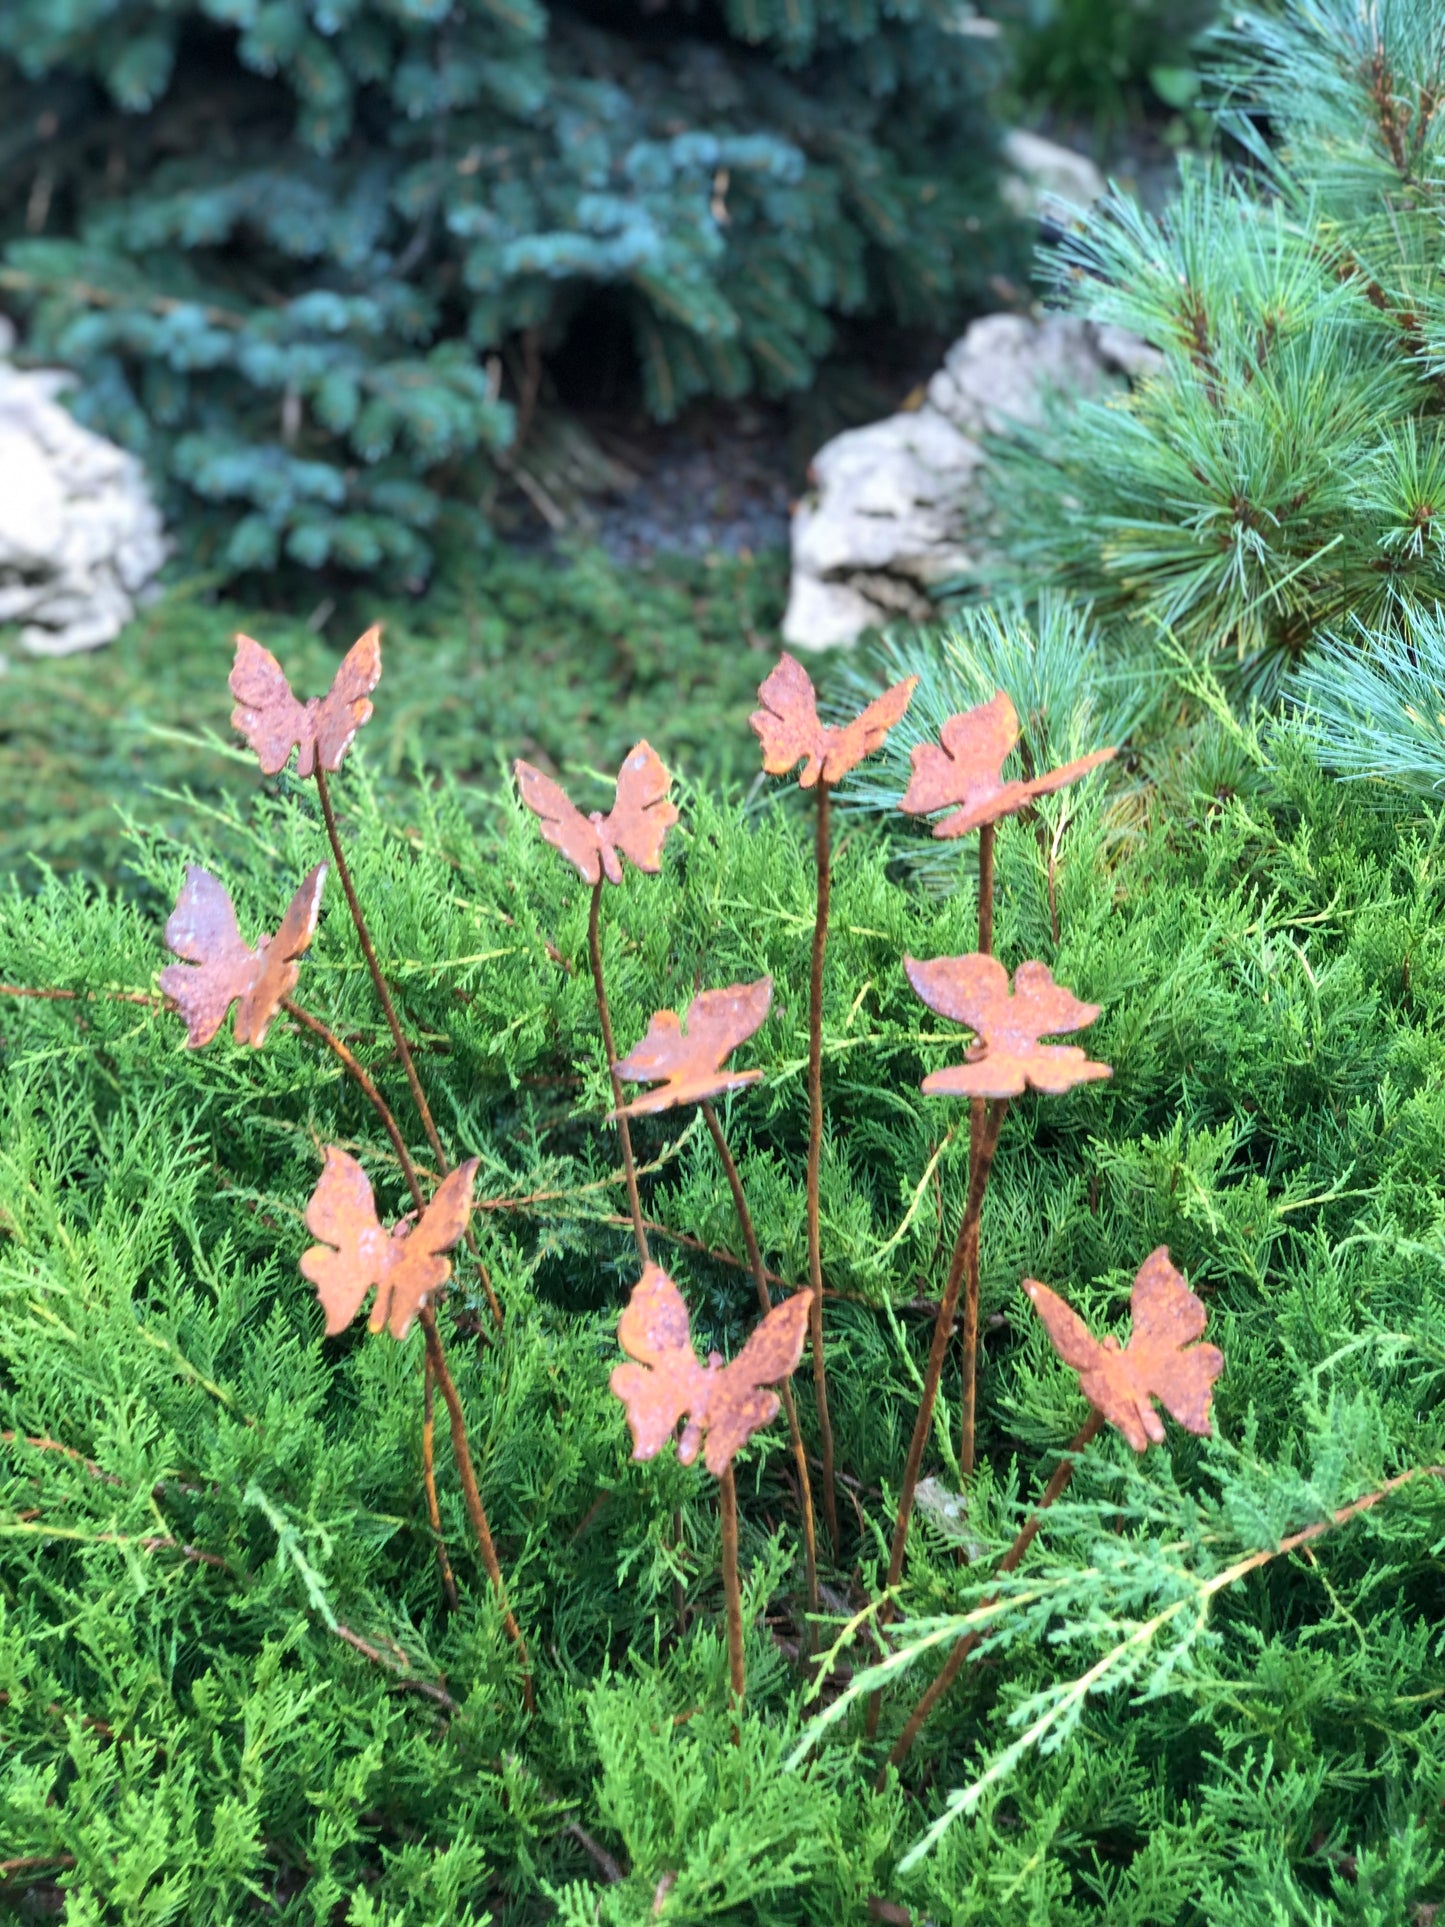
x=1279, y=472
x=226, y=1675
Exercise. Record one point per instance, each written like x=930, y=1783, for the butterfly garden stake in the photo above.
x=1161, y=1360
x=220, y=970
x=1006, y=1058
x=722, y=1405
x=963, y=774
x=407, y=1268
x=687, y=1066
x=321, y=731
x=635, y=827
x=274, y=722
x=790, y=731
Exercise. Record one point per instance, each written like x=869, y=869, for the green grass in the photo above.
x=194, y=1741
x=564, y=659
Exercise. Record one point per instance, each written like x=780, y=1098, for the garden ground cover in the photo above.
x=227, y=1680
x=607, y=652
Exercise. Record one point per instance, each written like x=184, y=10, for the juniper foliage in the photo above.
x=1280, y=471
x=190, y=1725
x=297, y=250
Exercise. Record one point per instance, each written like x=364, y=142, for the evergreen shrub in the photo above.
x=1281, y=474
x=227, y=1681
x=307, y=255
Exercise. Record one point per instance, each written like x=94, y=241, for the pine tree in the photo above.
x=1282, y=473
x=293, y=246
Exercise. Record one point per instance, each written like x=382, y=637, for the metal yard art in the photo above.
x=219, y=970
x=1161, y=1360
x=790, y=730
x=710, y=1407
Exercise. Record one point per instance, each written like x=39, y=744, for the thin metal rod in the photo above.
x=367, y=1086
x=977, y=1110
x=1063, y=1472
x=82, y=996
x=472, y=1498
x=393, y=1022
x=823, y=864
x=604, y=1017
x=977, y=1131
x=429, y=1483
x=461, y=1451
x=985, y=887
x=785, y=1390
x=942, y=1330
x=727, y=1493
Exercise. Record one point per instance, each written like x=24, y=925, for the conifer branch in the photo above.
x=1063, y=1472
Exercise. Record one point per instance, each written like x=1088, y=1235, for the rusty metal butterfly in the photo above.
x=220, y=971
x=964, y=770
x=1160, y=1360
x=689, y=1064
x=723, y=1404
x=406, y=1264
x=1007, y=1057
x=635, y=826
x=274, y=722
x=790, y=731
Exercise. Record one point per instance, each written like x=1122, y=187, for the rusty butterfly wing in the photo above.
x=666, y=1382
x=1168, y=1318
x=346, y=706
x=847, y=747
x=739, y=1402
x=419, y=1264
x=689, y=1067
x=1008, y=1055
x=787, y=724
x=270, y=718
x=971, y=990
x=1106, y=1375
x=355, y=1252
x=964, y=766
x=218, y=968
x=562, y=824
x=276, y=974
x=640, y=817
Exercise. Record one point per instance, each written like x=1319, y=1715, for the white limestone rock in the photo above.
x=80, y=538
x=887, y=515
x=1040, y=172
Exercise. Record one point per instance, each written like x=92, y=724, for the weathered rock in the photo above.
x=80, y=537
x=888, y=513
x=1040, y=172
